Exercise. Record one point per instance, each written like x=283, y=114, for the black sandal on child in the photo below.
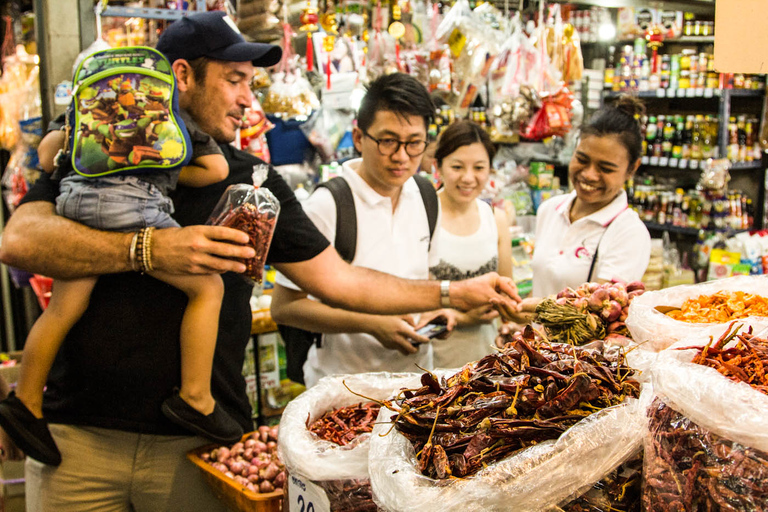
x=217, y=426
x=30, y=433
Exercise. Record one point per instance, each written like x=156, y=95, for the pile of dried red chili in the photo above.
x=342, y=426
x=688, y=467
x=259, y=226
x=746, y=362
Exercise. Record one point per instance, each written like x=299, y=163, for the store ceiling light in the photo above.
x=606, y=32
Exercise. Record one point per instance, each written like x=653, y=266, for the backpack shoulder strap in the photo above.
x=346, y=234
x=429, y=196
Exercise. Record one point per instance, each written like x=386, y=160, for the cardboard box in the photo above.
x=10, y=488
x=12, y=503
x=11, y=470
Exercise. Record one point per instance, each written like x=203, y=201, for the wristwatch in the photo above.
x=445, y=293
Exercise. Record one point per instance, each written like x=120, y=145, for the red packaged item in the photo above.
x=553, y=118
x=254, y=211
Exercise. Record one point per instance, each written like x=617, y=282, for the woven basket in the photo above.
x=230, y=492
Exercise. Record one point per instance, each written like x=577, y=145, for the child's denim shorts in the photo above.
x=114, y=203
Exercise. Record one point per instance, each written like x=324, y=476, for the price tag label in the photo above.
x=694, y=164
x=699, y=92
x=644, y=160
x=663, y=161
x=660, y=93
x=708, y=92
x=671, y=93
x=673, y=162
x=683, y=163
x=654, y=160
x=304, y=496
x=690, y=93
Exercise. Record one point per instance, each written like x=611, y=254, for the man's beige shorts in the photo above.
x=111, y=470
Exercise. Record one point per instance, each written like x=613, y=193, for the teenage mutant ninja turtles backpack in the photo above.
x=124, y=116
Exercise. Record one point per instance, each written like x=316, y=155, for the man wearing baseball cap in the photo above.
x=121, y=360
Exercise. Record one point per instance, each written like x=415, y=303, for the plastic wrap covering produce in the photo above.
x=535, y=451
x=654, y=330
x=342, y=471
x=708, y=446
x=618, y=491
x=254, y=211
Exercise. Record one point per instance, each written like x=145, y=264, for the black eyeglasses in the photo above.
x=388, y=146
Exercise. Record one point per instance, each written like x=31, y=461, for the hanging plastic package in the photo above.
x=336, y=476
x=254, y=211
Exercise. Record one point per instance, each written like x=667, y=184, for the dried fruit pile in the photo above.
x=587, y=313
x=253, y=463
x=531, y=391
x=688, y=467
x=342, y=426
x=720, y=307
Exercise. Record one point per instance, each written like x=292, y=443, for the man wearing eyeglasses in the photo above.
x=393, y=236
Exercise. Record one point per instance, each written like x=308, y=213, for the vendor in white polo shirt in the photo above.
x=393, y=236
x=591, y=234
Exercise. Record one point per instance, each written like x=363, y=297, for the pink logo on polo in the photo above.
x=582, y=252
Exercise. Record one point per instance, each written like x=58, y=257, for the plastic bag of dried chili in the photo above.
x=252, y=210
x=707, y=445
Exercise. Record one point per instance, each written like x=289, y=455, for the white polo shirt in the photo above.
x=393, y=242
x=563, y=251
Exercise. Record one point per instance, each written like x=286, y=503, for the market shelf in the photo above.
x=151, y=13
x=679, y=40
x=652, y=226
x=689, y=165
x=689, y=93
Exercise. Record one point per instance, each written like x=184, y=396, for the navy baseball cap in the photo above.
x=214, y=35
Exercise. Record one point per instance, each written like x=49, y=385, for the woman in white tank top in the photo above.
x=473, y=239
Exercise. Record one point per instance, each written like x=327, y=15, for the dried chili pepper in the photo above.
x=690, y=468
x=259, y=226
x=342, y=426
x=746, y=362
x=508, y=401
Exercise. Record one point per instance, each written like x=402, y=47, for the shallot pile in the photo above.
x=253, y=462
x=591, y=312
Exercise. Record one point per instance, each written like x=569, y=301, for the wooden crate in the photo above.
x=230, y=492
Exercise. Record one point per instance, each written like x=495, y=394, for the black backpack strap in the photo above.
x=346, y=217
x=429, y=196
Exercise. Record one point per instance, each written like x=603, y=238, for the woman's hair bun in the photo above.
x=631, y=106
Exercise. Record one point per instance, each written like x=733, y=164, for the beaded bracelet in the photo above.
x=147, y=254
x=141, y=238
x=132, y=252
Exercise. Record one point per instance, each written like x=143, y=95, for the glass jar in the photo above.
x=685, y=60
x=685, y=79
x=713, y=80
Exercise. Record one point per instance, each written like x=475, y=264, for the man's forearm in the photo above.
x=315, y=316
x=342, y=285
x=37, y=240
